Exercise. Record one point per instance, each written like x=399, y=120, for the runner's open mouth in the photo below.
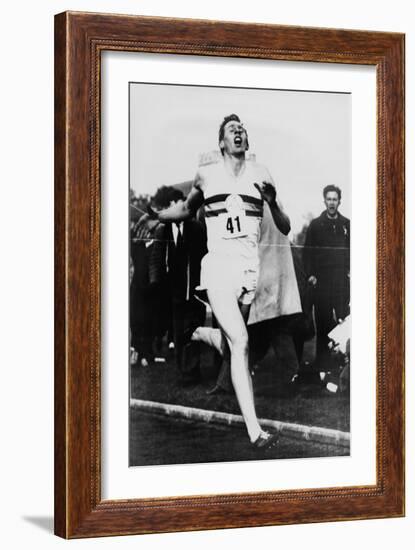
x=238, y=140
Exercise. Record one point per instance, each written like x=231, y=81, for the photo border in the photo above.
x=79, y=40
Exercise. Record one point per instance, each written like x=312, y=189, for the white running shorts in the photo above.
x=234, y=275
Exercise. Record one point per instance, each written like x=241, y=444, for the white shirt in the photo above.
x=175, y=230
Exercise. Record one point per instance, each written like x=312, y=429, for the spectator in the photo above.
x=327, y=264
x=178, y=251
x=142, y=312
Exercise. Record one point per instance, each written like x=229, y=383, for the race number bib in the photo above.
x=234, y=220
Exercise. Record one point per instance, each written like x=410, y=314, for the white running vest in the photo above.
x=233, y=209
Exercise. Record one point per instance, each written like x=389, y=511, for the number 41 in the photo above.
x=230, y=226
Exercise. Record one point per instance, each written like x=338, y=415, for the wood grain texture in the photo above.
x=60, y=277
x=79, y=40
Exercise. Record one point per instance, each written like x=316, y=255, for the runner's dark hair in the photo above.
x=229, y=118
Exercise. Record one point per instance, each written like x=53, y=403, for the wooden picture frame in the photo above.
x=79, y=40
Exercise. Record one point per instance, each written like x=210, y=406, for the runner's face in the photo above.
x=331, y=200
x=235, y=138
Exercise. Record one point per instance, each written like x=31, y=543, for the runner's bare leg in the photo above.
x=212, y=337
x=244, y=309
x=225, y=306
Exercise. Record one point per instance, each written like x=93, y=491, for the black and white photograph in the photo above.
x=239, y=271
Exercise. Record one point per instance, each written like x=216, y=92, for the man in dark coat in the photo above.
x=142, y=299
x=176, y=256
x=327, y=264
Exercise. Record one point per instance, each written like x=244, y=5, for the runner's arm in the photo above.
x=184, y=209
x=281, y=220
x=269, y=194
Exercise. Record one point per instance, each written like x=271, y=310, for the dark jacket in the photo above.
x=140, y=255
x=327, y=247
x=181, y=268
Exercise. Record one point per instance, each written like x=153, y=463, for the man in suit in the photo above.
x=175, y=261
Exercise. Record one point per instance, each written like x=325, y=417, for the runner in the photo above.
x=233, y=193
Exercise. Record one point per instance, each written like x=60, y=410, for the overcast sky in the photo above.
x=304, y=138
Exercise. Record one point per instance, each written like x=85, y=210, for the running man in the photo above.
x=233, y=193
